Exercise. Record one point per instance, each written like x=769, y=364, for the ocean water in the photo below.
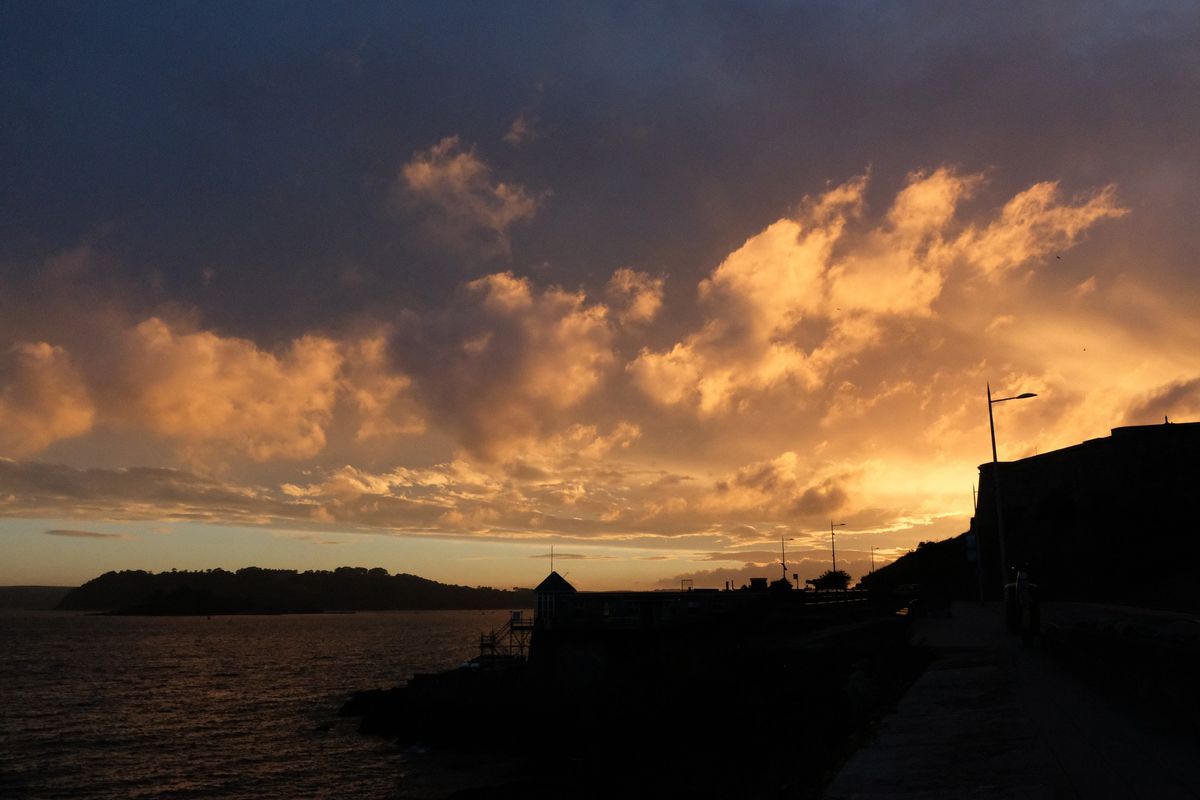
x=227, y=707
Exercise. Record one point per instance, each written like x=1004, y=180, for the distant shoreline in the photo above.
x=255, y=590
x=33, y=598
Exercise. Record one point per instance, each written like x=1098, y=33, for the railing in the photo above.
x=511, y=636
x=828, y=597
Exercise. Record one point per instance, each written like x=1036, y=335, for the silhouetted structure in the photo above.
x=620, y=666
x=559, y=606
x=550, y=593
x=1111, y=519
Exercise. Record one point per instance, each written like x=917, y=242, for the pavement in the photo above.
x=992, y=717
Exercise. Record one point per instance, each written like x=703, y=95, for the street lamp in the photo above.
x=833, y=542
x=996, y=482
x=783, y=555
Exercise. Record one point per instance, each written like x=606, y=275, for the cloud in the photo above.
x=78, y=534
x=1034, y=224
x=498, y=369
x=811, y=293
x=512, y=395
x=507, y=361
x=573, y=556
x=213, y=397
x=32, y=490
x=1180, y=399
x=824, y=498
x=806, y=564
x=779, y=489
x=305, y=537
x=1084, y=288
x=739, y=556
x=43, y=398
x=522, y=131
x=636, y=296
x=740, y=574
x=216, y=395
x=468, y=208
x=382, y=397
x=573, y=493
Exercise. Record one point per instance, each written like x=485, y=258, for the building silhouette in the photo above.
x=1110, y=519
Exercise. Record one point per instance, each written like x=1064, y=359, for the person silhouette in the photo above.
x=1026, y=596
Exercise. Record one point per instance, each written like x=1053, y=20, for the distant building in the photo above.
x=1113, y=518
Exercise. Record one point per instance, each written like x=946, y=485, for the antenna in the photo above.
x=552, y=558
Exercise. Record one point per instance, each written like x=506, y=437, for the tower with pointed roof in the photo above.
x=549, y=595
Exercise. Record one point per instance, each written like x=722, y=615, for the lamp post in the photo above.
x=872, y=559
x=783, y=556
x=833, y=542
x=996, y=482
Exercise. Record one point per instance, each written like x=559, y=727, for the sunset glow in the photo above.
x=646, y=297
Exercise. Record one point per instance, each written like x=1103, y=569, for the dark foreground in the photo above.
x=768, y=709
x=1102, y=705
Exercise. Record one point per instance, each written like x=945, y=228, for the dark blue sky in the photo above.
x=262, y=142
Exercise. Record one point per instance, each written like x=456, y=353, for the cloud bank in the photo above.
x=828, y=366
x=809, y=294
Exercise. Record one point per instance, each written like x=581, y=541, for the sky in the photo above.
x=666, y=286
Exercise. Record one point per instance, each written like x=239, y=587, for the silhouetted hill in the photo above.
x=940, y=568
x=273, y=591
x=32, y=598
x=1108, y=520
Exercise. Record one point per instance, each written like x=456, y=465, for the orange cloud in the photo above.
x=810, y=294
x=382, y=397
x=503, y=366
x=467, y=205
x=1034, y=224
x=215, y=395
x=212, y=396
x=636, y=296
x=43, y=398
x=837, y=370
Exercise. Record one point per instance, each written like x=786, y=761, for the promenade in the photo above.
x=993, y=718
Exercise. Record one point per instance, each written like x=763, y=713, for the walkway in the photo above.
x=993, y=719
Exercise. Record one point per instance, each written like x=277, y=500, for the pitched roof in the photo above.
x=554, y=583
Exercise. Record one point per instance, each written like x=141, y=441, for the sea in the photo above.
x=221, y=707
